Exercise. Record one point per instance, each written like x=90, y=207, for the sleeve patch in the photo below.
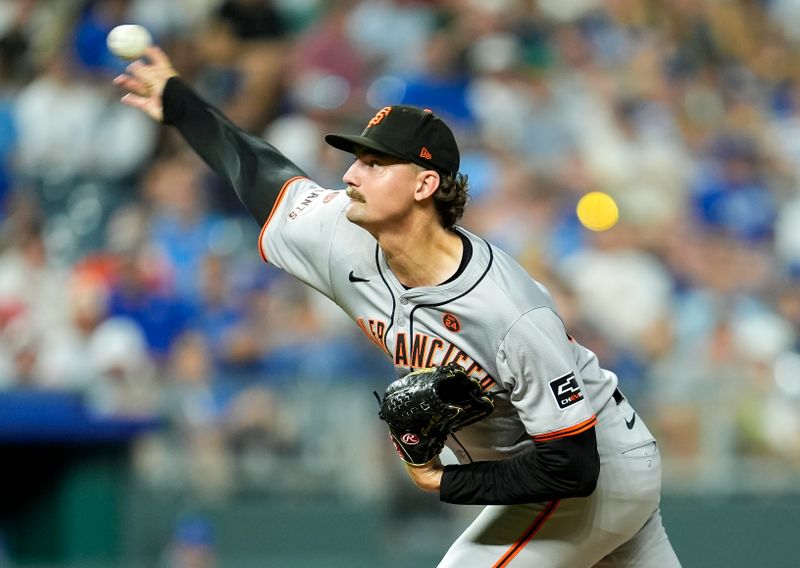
x=566, y=390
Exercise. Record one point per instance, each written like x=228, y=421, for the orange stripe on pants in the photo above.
x=529, y=533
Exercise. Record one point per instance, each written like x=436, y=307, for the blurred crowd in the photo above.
x=130, y=273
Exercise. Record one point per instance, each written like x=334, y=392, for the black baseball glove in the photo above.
x=426, y=405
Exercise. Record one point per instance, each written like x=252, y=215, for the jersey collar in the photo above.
x=474, y=271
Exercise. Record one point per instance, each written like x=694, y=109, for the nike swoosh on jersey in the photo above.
x=631, y=422
x=353, y=278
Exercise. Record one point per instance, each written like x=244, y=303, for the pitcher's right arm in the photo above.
x=254, y=168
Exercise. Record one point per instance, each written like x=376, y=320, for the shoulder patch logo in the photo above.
x=451, y=322
x=331, y=196
x=566, y=390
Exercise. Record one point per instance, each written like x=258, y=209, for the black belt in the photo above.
x=618, y=398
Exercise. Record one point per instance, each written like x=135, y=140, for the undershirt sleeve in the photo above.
x=254, y=168
x=558, y=469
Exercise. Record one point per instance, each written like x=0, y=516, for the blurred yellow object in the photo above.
x=597, y=211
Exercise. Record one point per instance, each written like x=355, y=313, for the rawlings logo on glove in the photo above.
x=427, y=405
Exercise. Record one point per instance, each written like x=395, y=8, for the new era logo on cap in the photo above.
x=409, y=133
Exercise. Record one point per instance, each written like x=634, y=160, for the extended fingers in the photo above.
x=142, y=71
x=146, y=104
x=152, y=75
x=134, y=101
x=144, y=80
x=132, y=85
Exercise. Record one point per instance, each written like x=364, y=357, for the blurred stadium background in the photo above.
x=167, y=399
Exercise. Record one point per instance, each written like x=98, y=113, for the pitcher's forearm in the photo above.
x=254, y=168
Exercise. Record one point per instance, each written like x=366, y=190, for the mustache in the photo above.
x=353, y=194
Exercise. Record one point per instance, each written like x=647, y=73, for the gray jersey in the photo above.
x=493, y=320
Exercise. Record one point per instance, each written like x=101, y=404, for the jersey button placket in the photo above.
x=401, y=319
x=402, y=316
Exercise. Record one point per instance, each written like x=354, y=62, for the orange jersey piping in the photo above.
x=571, y=431
x=272, y=212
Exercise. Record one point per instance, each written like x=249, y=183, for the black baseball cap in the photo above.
x=409, y=133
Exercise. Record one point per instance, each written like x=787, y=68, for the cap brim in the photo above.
x=349, y=143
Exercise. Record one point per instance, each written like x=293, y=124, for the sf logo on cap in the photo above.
x=381, y=114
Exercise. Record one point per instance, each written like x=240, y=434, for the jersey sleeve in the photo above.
x=301, y=231
x=536, y=364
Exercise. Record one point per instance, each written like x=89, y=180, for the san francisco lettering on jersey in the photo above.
x=423, y=351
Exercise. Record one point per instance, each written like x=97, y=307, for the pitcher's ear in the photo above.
x=427, y=183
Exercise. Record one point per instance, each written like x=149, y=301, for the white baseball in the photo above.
x=129, y=41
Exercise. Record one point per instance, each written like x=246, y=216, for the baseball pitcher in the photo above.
x=568, y=471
